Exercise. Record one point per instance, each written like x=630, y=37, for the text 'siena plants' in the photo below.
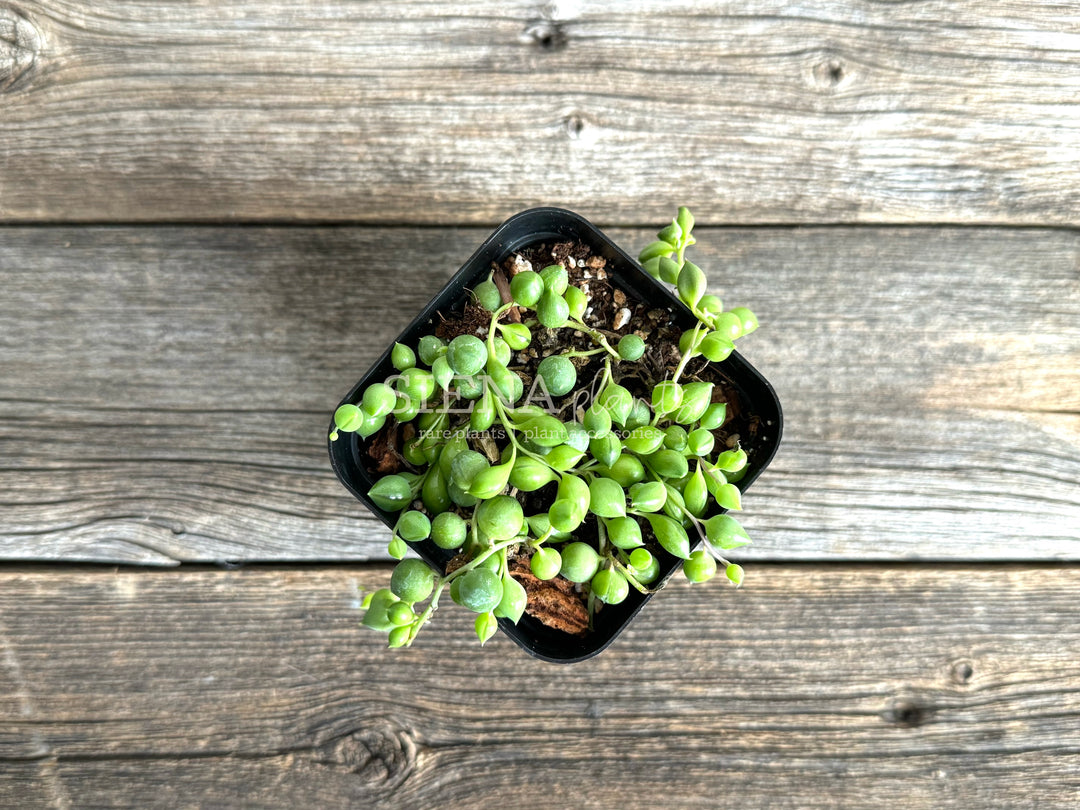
x=621, y=469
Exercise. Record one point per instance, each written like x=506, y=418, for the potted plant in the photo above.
x=554, y=434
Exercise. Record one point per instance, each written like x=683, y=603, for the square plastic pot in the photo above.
x=520, y=231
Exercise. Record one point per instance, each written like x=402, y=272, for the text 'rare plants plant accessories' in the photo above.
x=554, y=435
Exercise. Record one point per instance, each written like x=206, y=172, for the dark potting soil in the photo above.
x=614, y=313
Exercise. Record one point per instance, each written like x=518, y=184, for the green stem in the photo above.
x=588, y=353
x=690, y=354
x=625, y=571
x=491, y=327
x=579, y=326
x=433, y=605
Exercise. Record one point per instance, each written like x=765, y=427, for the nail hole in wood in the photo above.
x=574, y=126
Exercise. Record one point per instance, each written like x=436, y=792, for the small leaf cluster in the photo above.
x=625, y=469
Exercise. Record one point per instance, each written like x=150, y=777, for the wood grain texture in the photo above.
x=165, y=391
x=450, y=113
x=813, y=687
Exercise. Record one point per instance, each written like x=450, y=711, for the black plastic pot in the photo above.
x=524, y=229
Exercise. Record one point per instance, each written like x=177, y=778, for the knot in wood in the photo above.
x=547, y=35
x=906, y=713
x=830, y=72
x=383, y=753
x=20, y=44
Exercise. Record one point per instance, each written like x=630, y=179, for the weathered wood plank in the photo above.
x=165, y=391
x=441, y=112
x=813, y=687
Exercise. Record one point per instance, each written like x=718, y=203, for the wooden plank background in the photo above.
x=168, y=389
x=811, y=688
x=748, y=111
x=214, y=216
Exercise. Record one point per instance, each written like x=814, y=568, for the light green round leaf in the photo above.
x=626, y=471
x=648, y=496
x=700, y=442
x=558, y=374
x=402, y=357
x=517, y=336
x=565, y=516
x=715, y=415
x=545, y=563
x=491, y=481
x=488, y=295
x=348, y=418
x=631, y=347
x=529, y=475
x=668, y=464
x=640, y=414
x=442, y=372
x=696, y=494
x=723, y=533
x=430, y=348
x=391, y=492
x=696, y=398
x=671, y=233
x=729, y=497
x=577, y=436
x=716, y=347
x=749, y=319
x=711, y=304
x=731, y=460
x=668, y=269
x=564, y=457
x=644, y=440
x=378, y=605
x=655, y=249
x=735, y=574
x=435, y=493
x=485, y=625
x=691, y=284
x=414, y=526
x=675, y=437
x=729, y=325
x=555, y=278
x=396, y=548
x=667, y=396
x=552, y=310
x=606, y=498
x=526, y=288
x=606, y=449
x=580, y=562
x=465, y=466
x=576, y=491
x=685, y=220
x=624, y=532
x=544, y=431
x=576, y=300
x=514, y=600
x=609, y=586
x=671, y=535
x=597, y=421
x=500, y=518
x=617, y=401
x=466, y=355
x=412, y=581
x=379, y=399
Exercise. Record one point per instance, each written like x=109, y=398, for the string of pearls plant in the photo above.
x=627, y=464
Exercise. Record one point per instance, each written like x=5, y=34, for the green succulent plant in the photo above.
x=633, y=467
